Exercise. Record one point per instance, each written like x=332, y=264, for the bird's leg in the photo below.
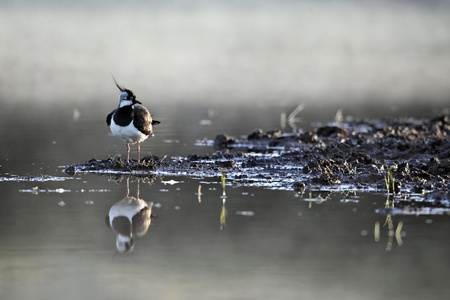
x=137, y=191
x=128, y=153
x=128, y=186
x=139, y=153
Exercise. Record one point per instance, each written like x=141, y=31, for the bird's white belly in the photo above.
x=127, y=207
x=129, y=133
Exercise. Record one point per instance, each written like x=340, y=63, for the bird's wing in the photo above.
x=109, y=117
x=141, y=221
x=142, y=119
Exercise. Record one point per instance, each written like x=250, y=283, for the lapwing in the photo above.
x=129, y=218
x=130, y=121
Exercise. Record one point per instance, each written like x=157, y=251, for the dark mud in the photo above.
x=411, y=155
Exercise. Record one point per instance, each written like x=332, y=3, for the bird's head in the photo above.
x=124, y=243
x=126, y=96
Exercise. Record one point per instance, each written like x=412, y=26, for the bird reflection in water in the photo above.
x=129, y=219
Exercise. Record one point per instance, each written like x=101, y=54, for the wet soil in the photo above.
x=402, y=155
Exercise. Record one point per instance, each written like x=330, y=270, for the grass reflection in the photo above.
x=199, y=193
x=391, y=187
x=223, y=213
x=391, y=233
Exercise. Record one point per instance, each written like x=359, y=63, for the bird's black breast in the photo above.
x=122, y=225
x=123, y=116
x=109, y=117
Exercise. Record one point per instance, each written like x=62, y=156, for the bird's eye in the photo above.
x=130, y=95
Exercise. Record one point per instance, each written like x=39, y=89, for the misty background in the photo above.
x=226, y=51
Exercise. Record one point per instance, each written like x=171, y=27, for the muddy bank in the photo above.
x=359, y=155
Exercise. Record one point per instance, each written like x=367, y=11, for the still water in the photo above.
x=253, y=243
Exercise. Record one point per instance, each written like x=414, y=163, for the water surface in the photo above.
x=253, y=243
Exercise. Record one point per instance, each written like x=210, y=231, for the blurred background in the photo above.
x=210, y=67
x=348, y=51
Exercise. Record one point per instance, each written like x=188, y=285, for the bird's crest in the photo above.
x=123, y=89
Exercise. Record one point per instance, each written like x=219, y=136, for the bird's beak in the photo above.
x=136, y=102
